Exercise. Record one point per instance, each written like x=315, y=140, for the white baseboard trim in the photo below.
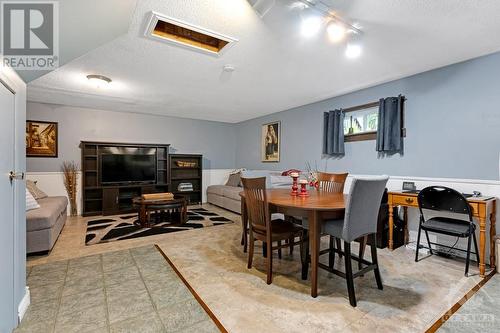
x=23, y=306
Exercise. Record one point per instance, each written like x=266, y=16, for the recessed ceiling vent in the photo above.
x=176, y=32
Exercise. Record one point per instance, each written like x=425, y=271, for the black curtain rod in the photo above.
x=365, y=106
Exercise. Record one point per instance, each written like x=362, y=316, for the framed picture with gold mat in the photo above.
x=41, y=138
x=270, y=142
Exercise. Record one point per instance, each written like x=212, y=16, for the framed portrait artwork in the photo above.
x=271, y=140
x=41, y=138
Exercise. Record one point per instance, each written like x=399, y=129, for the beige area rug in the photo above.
x=414, y=296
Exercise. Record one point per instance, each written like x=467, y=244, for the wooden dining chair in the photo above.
x=262, y=228
x=331, y=182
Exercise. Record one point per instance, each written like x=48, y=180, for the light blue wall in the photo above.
x=215, y=140
x=452, y=121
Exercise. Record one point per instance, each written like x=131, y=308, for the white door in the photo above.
x=7, y=307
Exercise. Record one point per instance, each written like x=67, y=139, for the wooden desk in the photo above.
x=319, y=205
x=481, y=209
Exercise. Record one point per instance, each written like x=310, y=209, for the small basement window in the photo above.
x=180, y=33
x=361, y=122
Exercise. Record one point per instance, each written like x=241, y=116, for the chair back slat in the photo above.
x=444, y=199
x=256, y=204
x=362, y=208
x=331, y=182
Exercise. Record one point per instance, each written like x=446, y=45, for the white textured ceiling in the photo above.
x=276, y=68
x=109, y=19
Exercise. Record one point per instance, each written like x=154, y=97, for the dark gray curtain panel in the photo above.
x=333, y=133
x=389, y=138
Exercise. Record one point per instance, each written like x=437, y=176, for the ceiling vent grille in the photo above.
x=179, y=33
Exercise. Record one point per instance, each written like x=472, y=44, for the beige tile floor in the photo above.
x=211, y=260
x=132, y=290
x=71, y=241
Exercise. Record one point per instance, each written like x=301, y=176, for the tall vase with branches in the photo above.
x=70, y=170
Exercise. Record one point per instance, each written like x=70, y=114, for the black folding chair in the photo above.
x=444, y=199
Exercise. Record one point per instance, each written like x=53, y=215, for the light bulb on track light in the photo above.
x=354, y=48
x=336, y=31
x=310, y=26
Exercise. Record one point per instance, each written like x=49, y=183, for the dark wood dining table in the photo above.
x=317, y=207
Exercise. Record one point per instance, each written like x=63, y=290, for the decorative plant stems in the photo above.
x=70, y=170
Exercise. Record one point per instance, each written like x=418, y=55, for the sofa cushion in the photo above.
x=46, y=216
x=232, y=192
x=215, y=189
x=234, y=180
x=34, y=190
x=31, y=202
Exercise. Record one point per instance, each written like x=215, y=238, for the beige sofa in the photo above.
x=44, y=224
x=227, y=197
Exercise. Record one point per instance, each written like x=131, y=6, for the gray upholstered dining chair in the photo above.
x=360, y=220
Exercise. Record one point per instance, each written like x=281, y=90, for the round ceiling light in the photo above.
x=228, y=68
x=99, y=81
x=336, y=31
x=310, y=26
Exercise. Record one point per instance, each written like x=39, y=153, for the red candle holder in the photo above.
x=295, y=188
x=303, y=189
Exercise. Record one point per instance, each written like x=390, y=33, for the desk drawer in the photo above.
x=403, y=200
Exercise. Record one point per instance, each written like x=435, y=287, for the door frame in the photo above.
x=11, y=80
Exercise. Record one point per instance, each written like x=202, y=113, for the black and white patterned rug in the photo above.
x=110, y=229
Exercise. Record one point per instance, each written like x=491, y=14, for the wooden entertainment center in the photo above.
x=107, y=198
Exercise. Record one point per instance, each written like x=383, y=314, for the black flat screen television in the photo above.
x=128, y=168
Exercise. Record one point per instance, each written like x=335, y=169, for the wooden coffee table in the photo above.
x=145, y=207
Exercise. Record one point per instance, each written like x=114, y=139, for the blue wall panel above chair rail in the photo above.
x=452, y=120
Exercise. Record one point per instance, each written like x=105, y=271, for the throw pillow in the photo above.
x=31, y=202
x=237, y=171
x=34, y=190
x=234, y=180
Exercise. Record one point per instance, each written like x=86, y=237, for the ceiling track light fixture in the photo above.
x=326, y=11
x=262, y=6
x=337, y=28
